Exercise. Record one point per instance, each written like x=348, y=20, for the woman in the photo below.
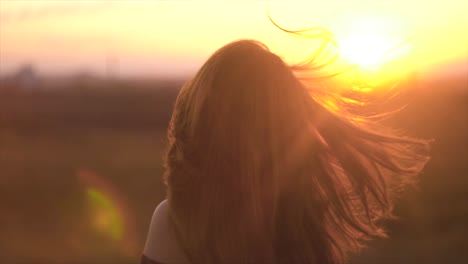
x=261, y=170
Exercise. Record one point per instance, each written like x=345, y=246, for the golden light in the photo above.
x=166, y=37
x=372, y=42
x=364, y=49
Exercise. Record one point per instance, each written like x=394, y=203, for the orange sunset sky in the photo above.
x=172, y=38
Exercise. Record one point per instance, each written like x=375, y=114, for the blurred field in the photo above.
x=57, y=144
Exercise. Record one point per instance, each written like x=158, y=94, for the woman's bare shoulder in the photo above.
x=161, y=244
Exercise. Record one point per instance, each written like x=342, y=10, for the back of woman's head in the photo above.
x=258, y=171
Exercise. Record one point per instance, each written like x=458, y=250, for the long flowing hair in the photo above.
x=260, y=168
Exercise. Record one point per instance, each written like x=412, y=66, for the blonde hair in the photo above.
x=258, y=170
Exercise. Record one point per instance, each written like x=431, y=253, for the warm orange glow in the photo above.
x=381, y=48
x=369, y=45
x=169, y=36
x=364, y=50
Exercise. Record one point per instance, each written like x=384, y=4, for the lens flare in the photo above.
x=110, y=214
x=107, y=218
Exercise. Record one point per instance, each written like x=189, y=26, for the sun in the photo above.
x=364, y=49
x=371, y=43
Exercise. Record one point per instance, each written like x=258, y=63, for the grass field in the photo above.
x=80, y=175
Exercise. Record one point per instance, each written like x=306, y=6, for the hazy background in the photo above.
x=87, y=89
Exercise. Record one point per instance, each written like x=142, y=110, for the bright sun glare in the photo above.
x=368, y=42
x=364, y=49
